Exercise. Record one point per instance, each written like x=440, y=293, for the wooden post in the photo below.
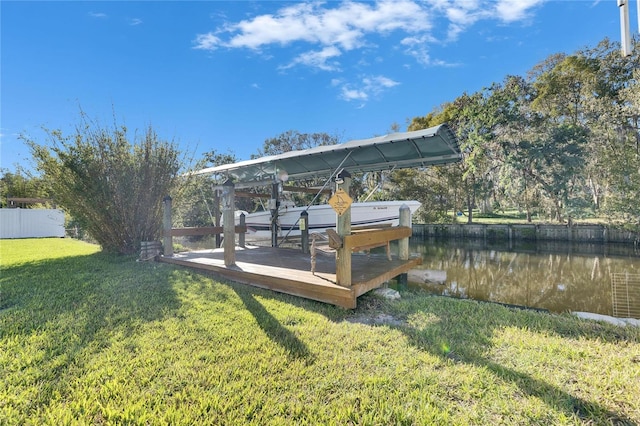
x=343, y=222
x=228, y=217
x=241, y=237
x=313, y=254
x=304, y=231
x=167, y=225
x=403, y=281
x=216, y=215
x=403, y=243
x=273, y=207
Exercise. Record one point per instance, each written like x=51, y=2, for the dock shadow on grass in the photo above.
x=67, y=307
x=278, y=333
x=471, y=338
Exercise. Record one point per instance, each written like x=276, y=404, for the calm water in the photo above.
x=554, y=277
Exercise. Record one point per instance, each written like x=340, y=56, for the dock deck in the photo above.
x=289, y=271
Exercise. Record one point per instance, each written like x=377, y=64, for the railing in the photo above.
x=206, y=230
x=367, y=239
x=170, y=232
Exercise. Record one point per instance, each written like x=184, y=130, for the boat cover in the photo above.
x=421, y=148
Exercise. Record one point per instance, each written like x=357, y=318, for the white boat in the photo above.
x=321, y=217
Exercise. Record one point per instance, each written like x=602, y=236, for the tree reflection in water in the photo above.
x=550, y=276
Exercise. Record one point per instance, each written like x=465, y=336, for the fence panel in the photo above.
x=31, y=223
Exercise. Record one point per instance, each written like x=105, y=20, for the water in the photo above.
x=603, y=279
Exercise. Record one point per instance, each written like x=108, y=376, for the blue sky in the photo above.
x=225, y=76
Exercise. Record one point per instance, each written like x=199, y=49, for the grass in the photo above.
x=514, y=217
x=89, y=338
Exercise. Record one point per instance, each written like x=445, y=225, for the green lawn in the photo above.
x=513, y=217
x=89, y=338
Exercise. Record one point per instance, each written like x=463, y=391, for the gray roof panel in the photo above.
x=421, y=148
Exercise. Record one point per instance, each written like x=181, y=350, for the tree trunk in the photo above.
x=595, y=195
x=558, y=207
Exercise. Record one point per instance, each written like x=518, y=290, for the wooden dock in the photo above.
x=289, y=271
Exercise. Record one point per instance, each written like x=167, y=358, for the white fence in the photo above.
x=31, y=223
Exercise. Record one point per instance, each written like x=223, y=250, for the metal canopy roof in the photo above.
x=422, y=148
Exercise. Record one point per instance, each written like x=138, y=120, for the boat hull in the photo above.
x=321, y=217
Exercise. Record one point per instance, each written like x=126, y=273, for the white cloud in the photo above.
x=135, y=21
x=367, y=87
x=324, y=33
x=463, y=14
x=349, y=94
x=317, y=59
x=98, y=15
x=337, y=28
x=515, y=10
x=206, y=41
x=379, y=82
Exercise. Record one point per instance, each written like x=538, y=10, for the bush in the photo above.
x=112, y=187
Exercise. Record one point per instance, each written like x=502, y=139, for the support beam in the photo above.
x=217, y=215
x=625, y=36
x=229, y=223
x=304, y=230
x=166, y=224
x=343, y=222
x=274, y=205
x=403, y=244
x=405, y=221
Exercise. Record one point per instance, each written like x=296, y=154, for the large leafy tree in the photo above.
x=511, y=106
x=623, y=158
x=439, y=189
x=613, y=165
x=556, y=158
x=111, y=184
x=472, y=181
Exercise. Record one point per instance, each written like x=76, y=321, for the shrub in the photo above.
x=111, y=186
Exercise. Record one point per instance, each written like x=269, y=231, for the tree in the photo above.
x=556, y=158
x=113, y=187
x=566, y=139
x=472, y=119
x=624, y=160
x=511, y=103
x=439, y=189
x=20, y=184
x=612, y=166
x=293, y=140
x=195, y=205
x=436, y=188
